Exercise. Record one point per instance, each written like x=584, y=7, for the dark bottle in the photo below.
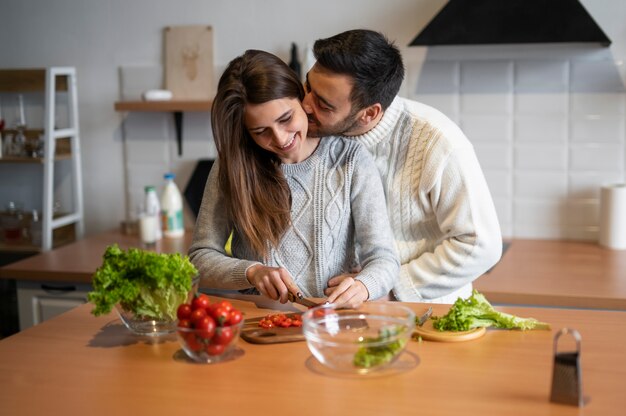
x=294, y=63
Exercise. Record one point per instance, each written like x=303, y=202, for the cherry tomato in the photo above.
x=215, y=349
x=183, y=311
x=226, y=305
x=223, y=335
x=285, y=323
x=266, y=324
x=200, y=301
x=221, y=316
x=212, y=307
x=281, y=320
x=205, y=327
x=193, y=343
x=184, y=323
x=197, y=315
x=235, y=317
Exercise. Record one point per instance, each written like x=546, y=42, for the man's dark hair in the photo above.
x=374, y=63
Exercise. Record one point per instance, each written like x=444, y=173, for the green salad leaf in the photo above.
x=372, y=356
x=477, y=312
x=149, y=284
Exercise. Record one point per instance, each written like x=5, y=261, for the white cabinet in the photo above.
x=39, y=301
x=60, y=145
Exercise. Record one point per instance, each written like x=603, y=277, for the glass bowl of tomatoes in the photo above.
x=208, y=331
x=361, y=340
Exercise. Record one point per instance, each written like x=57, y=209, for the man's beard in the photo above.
x=341, y=128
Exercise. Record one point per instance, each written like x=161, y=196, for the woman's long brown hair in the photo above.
x=258, y=199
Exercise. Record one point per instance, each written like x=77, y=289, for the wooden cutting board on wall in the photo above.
x=189, y=62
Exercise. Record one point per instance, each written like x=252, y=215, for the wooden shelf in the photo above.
x=177, y=107
x=27, y=80
x=31, y=160
x=164, y=106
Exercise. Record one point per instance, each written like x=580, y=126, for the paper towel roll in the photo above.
x=613, y=216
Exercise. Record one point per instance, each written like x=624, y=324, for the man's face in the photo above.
x=327, y=104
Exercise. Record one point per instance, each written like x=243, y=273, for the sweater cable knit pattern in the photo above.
x=441, y=211
x=338, y=214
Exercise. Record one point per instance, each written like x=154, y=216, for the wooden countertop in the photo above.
x=76, y=262
x=531, y=272
x=557, y=273
x=78, y=364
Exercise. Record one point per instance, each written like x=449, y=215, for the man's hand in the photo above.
x=345, y=291
x=273, y=282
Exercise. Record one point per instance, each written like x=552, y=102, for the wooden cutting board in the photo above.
x=429, y=333
x=254, y=334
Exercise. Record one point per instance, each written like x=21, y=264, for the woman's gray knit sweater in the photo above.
x=339, y=219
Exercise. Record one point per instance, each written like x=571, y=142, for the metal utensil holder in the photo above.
x=566, y=374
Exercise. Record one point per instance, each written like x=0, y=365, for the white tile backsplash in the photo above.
x=596, y=157
x=541, y=129
x=597, y=129
x=613, y=104
x=494, y=156
x=583, y=212
x=541, y=104
x=539, y=218
x=587, y=184
x=595, y=76
x=500, y=183
x=541, y=76
x=540, y=185
x=495, y=77
x=486, y=104
x=490, y=128
x=446, y=103
x=438, y=77
x=564, y=124
x=538, y=156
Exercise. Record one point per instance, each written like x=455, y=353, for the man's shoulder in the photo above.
x=429, y=118
x=425, y=113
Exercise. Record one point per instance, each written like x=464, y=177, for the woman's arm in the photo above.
x=207, y=252
x=373, y=238
x=221, y=271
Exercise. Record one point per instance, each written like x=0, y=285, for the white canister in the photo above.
x=613, y=216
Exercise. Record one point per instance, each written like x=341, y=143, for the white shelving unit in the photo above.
x=50, y=81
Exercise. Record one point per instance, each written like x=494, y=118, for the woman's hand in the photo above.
x=345, y=291
x=273, y=282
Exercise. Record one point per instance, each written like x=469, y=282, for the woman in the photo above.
x=302, y=211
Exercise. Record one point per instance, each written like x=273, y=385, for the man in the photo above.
x=440, y=209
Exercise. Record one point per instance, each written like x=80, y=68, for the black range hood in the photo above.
x=488, y=22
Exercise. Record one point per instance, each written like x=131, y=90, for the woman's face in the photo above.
x=280, y=126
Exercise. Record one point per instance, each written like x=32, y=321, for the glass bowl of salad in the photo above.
x=361, y=340
x=159, y=317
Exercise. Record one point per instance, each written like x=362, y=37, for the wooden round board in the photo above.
x=428, y=333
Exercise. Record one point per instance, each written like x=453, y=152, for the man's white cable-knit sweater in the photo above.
x=338, y=213
x=441, y=212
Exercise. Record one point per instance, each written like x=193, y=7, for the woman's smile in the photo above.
x=280, y=126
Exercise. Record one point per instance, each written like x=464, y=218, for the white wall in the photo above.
x=101, y=36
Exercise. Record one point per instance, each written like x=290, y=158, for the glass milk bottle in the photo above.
x=172, y=209
x=153, y=208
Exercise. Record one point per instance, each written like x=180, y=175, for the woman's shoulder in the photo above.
x=346, y=152
x=343, y=145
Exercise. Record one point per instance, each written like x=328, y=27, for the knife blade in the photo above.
x=424, y=317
